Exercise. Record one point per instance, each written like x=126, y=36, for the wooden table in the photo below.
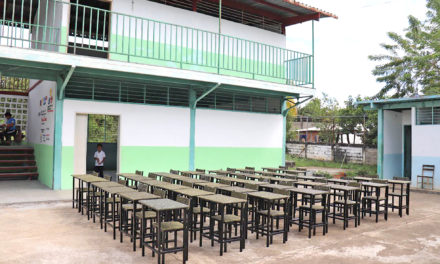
x=220, y=172
x=308, y=183
x=368, y=186
x=135, y=178
x=363, y=179
x=272, y=169
x=305, y=192
x=191, y=174
x=402, y=185
x=193, y=195
x=202, y=185
x=219, y=201
x=88, y=179
x=112, y=191
x=164, y=207
x=133, y=197
x=227, y=190
x=269, y=187
x=266, y=201
x=346, y=190
x=338, y=181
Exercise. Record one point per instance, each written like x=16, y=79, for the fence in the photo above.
x=142, y=40
x=339, y=153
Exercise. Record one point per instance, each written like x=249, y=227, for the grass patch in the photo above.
x=356, y=169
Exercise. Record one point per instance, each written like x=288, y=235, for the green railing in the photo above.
x=136, y=39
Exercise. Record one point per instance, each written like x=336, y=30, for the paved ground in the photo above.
x=55, y=233
x=25, y=191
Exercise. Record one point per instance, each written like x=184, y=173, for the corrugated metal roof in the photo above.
x=418, y=98
x=286, y=8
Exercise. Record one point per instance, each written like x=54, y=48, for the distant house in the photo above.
x=312, y=135
x=408, y=136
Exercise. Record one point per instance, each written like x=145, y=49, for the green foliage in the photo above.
x=322, y=174
x=14, y=84
x=103, y=129
x=412, y=62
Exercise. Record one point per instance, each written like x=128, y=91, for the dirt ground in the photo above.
x=55, y=233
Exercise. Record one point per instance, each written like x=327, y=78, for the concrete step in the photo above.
x=16, y=150
x=18, y=168
x=19, y=175
x=16, y=162
x=14, y=156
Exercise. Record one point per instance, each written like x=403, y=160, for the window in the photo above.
x=428, y=116
x=103, y=129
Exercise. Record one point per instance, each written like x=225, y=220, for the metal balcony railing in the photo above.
x=42, y=24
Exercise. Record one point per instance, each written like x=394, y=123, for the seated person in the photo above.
x=9, y=129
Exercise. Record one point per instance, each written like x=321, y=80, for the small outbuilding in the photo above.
x=408, y=138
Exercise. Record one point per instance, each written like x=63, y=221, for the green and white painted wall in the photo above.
x=156, y=138
x=41, y=107
x=237, y=139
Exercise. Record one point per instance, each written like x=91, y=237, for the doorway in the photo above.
x=407, y=151
x=103, y=129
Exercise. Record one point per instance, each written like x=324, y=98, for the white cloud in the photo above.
x=342, y=45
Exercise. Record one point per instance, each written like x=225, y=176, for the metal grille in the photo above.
x=428, y=116
x=126, y=91
x=238, y=101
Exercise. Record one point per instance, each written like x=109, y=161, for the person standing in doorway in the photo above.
x=99, y=160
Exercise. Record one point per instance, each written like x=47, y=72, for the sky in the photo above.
x=342, y=45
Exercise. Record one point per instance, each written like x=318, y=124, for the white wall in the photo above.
x=140, y=125
x=164, y=13
x=392, y=132
x=41, y=107
x=216, y=128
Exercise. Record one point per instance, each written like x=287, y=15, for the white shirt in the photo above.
x=100, y=156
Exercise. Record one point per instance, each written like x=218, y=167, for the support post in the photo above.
x=193, y=100
x=192, y=145
x=380, y=143
x=283, y=152
x=57, y=142
x=313, y=54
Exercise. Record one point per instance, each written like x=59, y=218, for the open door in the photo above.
x=103, y=129
x=407, y=151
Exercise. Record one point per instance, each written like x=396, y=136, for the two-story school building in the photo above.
x=184, y=84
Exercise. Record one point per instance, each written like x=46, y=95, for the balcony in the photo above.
x=92, y=31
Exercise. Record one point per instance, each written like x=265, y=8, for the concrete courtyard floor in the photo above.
x=52, y=232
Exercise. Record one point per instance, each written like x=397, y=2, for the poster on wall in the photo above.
x=46, y=116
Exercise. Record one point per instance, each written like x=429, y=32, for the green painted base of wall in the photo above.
x=66, y=167
x=44, y=158
x=223, y=157
x=153, y=159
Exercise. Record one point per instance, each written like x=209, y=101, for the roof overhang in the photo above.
x=401, y=103
x=288, y=12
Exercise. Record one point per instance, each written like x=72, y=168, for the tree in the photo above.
x=412, y=62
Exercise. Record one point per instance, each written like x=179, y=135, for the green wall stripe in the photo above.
x=44, y=158
x=223, y=157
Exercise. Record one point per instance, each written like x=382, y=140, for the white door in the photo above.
x=80, y=144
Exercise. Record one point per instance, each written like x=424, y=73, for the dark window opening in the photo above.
x=89, y=28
